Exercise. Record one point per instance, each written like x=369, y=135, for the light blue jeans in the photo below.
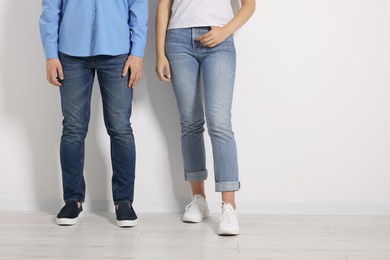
x=188, y=58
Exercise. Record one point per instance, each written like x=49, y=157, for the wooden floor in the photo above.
x=32, y=235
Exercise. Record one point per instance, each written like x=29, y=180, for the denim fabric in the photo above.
x=117, y=98
x=188, y=58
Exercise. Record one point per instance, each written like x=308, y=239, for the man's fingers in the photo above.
x=133, y=66
x=132, y=80
x=60, y=73
x=135, y=78
x=53, y=80
x=54, y=72
x=125, y=70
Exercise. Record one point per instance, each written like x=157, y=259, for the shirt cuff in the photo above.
x=51, y=50
x=137, y=49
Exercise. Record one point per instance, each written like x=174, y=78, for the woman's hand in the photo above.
x=213, y=37
x=218, y=34
x=162, y=69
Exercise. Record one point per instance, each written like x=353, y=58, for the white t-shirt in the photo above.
x=199, y=13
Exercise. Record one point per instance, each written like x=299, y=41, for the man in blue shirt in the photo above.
x=81, y=39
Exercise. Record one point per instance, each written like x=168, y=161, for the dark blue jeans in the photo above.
x=76, y=90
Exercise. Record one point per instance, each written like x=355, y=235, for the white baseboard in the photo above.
x=177, y=206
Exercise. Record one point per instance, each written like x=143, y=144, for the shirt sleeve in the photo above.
x=49, y=24
x=138, y=24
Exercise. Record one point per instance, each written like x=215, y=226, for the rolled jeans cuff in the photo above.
x=227, y=186
x=196, y=176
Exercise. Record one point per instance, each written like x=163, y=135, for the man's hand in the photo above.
x=54, y=72
x=213, y=37
x=162, y=69
x=134, y=65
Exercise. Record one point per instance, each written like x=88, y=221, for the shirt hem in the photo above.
x=83, y=55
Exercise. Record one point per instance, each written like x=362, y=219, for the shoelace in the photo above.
x=228, y=214
x=189, y=206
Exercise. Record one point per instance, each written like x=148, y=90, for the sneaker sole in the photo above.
x=68, y=221
x=126, y=223
x=228, y=232
x=195, y=220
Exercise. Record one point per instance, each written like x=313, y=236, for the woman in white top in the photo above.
x=194, y=40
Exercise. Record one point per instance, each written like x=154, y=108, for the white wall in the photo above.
x=311, y=116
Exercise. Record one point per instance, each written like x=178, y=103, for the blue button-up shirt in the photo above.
x=86, y=28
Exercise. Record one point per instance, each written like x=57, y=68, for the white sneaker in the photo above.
x=197, y=210
x=228, y=223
